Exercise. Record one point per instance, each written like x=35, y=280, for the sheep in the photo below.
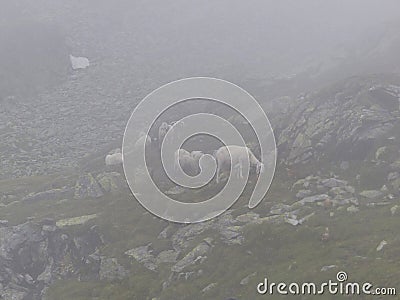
x=165, y=127
x=196, y=155
x=235, y=156
x=162, y=131
x=188, y=163
x=178, y=155
x=113, y=159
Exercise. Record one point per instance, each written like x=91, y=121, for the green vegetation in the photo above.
x=280, y=252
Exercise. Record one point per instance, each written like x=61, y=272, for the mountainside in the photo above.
x=338, y=164
x=70, y=227
x=345, y=121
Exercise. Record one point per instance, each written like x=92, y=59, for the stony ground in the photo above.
x=79, y=234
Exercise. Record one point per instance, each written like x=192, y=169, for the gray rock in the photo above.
x=209, y=287
x=185, y=234
x=333, y=182
x=197, y=254
x=110, y=269
x=337, y=191
x=4, y=223
x=396, y=184
x=280, y=208
x=393, y=176
x=28, y=248
x=143, y=255
x=395, y=166
x=13, y=294
x=306, y=218
x=54, y=194
x=316, y=198
x=341, y=128
x=291, y=221
x=378, y=204
x=326, y=268
x=276, y=219
x=303, y=193
x=232, y=235
x=87, y=187
x=111, y=182
x=371, y=194
x=246, y=280
x=167, y=256
x=353, y=209
x=350, y=189
x=247, y=217
x=166, y=233
x=186, y=275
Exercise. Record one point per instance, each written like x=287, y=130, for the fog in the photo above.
x=186, y=38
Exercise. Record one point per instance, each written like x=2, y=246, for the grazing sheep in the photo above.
x=178, y=155
x=238, y=156
x=188, y=163
x=162, y=131
x=165, y=127
x=196, y=155
x=179, y=127
x=113, y=159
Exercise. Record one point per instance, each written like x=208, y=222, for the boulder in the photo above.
x=54, y=194
x=111, y=182
x=371, y=194
x=193, y=256
x=75, y=220
x=143, y=255
x=87, y=187
x=316, y=198
x=31, y=257
x=333, y=182
x=110, y=269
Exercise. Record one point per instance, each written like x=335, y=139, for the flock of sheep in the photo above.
x=225, y=156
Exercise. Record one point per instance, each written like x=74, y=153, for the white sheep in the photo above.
x=165, y=127
x=238, y=155
x=113, y=159
x=162, y=131
x=188, y=163
x=196, y=155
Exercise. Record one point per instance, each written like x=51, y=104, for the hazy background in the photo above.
x=160, y=41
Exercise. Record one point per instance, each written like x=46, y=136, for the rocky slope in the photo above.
x=33, y=255
x=345, y=121
x=339, y=164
